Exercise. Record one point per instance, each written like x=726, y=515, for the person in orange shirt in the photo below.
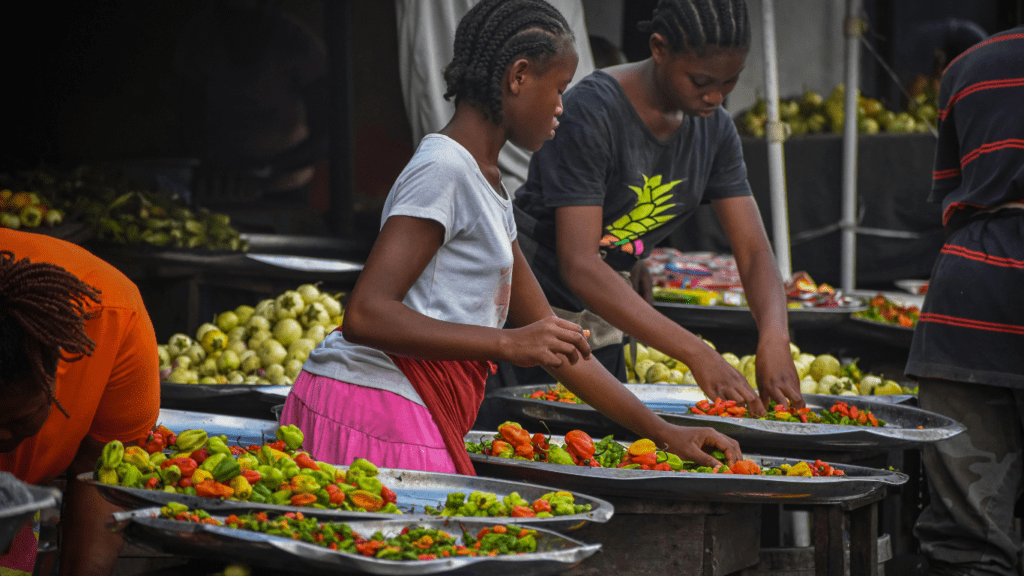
x=74, y=334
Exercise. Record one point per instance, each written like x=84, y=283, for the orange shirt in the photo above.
x=113, y=394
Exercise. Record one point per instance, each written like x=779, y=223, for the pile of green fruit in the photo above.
x=27, y=210
x=264, y=344
x=119, y=210
x=813, y=114
x=819, y=374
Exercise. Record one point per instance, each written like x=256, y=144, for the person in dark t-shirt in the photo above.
x=968, y=347
x=640, y=146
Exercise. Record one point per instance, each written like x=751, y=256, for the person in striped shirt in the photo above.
x=968, y=347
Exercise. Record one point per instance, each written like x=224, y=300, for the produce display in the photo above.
x=413, y=543
x=513, y=441
x=888, y=311
x=819, y=374
x=839, y=413
x=810, y=113
x=27, y=210
x=265, y=344
x=280, y=472
x=708, y=279
x=484, y=504
x=116, y=208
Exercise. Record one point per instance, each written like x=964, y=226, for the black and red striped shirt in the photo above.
x=979, y=159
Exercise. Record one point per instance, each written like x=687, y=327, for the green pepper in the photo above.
x=241, y=486
x=675, y=462
x=156, y=459
x=190, y=440
x=322, y=478
x=498, y=509
x=131, y=477
x=526, y=544
x=290, y=435
x=514, y=499
x=483, y=500
x=113, y=453
x=171, y=474
x=270, y=477
x=370, y=485
x=558, y=455
x=302, y=484
x=455, y=500
x=563, y=508
x=363, y=465
x=281, y=497
x=257, y=497
x=138, y=457
x=216, y=445
x=172, y=509
x=222, y=466
x=390, y=508
x=262, y=490
x=328, y=469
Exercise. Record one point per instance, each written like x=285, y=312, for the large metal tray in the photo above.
x=555, y=552
x=859, y=482
x=241, y=431
x=697, y=315
x=12, y=518
x=906, y=426
x=414, y=489
x=245, y=400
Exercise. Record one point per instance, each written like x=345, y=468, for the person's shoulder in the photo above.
x=116, y=288
x=986, y=54
x=437, y=152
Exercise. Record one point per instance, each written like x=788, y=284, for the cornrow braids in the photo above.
x=489, y=37
x=42, y=320
x=695, y=26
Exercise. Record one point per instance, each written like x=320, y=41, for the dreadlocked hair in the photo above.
x=490, y=36
x=695, y=26
x=42, y=320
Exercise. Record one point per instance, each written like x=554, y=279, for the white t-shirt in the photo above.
x=469, y=279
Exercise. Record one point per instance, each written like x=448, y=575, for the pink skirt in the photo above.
x=342, y=422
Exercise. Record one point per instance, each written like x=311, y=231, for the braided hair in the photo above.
x=490, y=36
x=695, y=26
x=42, y=320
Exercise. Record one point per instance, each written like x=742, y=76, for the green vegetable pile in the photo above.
x=484, y=504
x=413, y=543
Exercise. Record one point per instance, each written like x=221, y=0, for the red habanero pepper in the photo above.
x=304, y=460
x=152, y=482
x=522, y=512
x=696, y=410
x=236, y=450
x=874, y=421
x=154, y=443
x=541, y=505
x=303, y=499
x=664, y=466
x=540, y=442
x=537, y=394
x=853, y=412
x=649, y=459
x=200, y=455
x=388, y=495
x=213, y=489
x=185, y=482
x=862, y=418
x=580, y=445
x=187, y=465
x=703, y=405
x=736, y=410
x=279, y=445
x=252, y=476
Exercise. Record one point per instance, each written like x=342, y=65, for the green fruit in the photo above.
x=889, y=387
x=227, y=321
x=825, y=365
x=300, y=349
x=178, y=343
x=816, y=123
x=238, y=334
x=657, y=355
x=292, y=368
x=869, y=384
x=257, y=323
x=8, y=220
x=732, y=359
x=689, y=379
x=829, y=384
x=203, y=329
x=250, y=364
x=207, y=367
x=236, y=377
x=867, y=126
x=274, y=370
x=289, y=305
x=208, y=380
x=641, y=368
x=271, y=352
x=258, y=339
x=287, y=330
x=810, y=102
x=676, y=376
x=802, y=368
x=195, y=353
x=238, y=347
x=228, y=361
x=658, y=372
x=31, y=216
x=331, y=304
x=794, y=351
x=214, y=342
x=266, y=309
x=316, y=333
x=315, y=313
x=181, y=376
x=244, y=313
x=808, y=385
x=165, y=356
x=182, y=362
x=309, y=292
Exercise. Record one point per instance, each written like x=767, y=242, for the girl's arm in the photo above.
x=376, y=315
x=597, y=387
x=607, y=294
x=776, y=374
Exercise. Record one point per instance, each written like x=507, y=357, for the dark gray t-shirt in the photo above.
x=604, y=155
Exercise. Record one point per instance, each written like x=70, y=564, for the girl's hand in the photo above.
x=549, y=342
x=695, y=444
x=776, y=375
x=720, y=380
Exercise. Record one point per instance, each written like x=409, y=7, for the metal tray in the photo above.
x=906, y=426
x=241, y=431
x=555, y=554
x=859, y=481
x=697, y=315
x=13, y=518
x=245, y=400
x=414, y=489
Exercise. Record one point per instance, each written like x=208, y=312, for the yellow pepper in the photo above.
x=200, y=475
x=801, y=469
x=641, y=447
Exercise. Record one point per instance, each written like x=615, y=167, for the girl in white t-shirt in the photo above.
x=402, y=382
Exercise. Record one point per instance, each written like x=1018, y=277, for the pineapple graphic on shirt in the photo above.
x=652, y=201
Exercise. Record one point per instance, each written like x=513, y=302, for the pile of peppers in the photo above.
x=581, y=450
x=280, y=472
x=557, y=394
x=485, y=504
x=413, y=543
x=839, y=413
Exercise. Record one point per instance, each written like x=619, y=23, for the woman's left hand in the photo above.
x=776, y=374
